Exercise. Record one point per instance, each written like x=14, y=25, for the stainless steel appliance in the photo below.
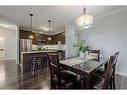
x=25, y=46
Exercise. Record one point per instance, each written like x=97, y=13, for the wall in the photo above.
x=10, y=35
x=70, y=38
x=1, y=45
x=109, y=34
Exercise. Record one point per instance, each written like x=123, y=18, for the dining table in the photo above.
x=83, y=66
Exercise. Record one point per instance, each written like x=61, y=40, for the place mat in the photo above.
x=76, y=60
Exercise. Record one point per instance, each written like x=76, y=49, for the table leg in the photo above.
x=85, y=82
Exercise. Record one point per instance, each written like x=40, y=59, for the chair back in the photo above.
x=97, y=52
x=54, y=67
x=116, y=55
x=108, y=72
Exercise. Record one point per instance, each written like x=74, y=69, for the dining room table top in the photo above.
x=86, y=65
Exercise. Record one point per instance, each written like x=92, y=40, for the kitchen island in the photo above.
x=31, y=61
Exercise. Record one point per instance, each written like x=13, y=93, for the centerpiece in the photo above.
x=83, y=49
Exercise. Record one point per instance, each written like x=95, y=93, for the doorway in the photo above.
x=2, y=45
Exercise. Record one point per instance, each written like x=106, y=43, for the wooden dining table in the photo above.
x=83, y=66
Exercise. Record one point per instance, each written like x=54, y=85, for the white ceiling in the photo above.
x=60, y=16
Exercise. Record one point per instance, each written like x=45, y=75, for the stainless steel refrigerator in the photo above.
x=25, y=46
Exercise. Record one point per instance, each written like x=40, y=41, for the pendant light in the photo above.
x=31, y=36
x=49, y=38
x=85, y=20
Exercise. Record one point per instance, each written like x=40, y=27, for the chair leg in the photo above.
x=110, y=84
x=114, y=87
x=75, y=84
x=53, y=86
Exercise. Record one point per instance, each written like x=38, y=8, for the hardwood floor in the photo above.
x=11, y=78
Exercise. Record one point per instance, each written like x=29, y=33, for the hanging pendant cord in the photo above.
x=84, y=10
x=49, y=25
x=31, y=15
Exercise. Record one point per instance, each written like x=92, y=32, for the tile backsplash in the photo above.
x=57, y=47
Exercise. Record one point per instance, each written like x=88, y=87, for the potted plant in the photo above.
x=83, y=48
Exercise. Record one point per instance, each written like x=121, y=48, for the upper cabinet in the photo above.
x=43, y=38
x=60, y=37
x=24, y=34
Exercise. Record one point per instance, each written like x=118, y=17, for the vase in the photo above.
x=86, y=53
x=82, y=54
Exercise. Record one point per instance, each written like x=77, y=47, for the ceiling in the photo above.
x=60, y=16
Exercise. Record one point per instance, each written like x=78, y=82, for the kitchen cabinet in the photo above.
x=59, y=37
x=24, y=34
x=43, y=38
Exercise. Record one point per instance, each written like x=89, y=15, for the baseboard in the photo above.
x=121, y=73
x=9, y=59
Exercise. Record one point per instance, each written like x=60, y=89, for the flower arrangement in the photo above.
x=82, y=47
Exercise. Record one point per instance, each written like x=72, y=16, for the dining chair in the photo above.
x=112, y=79
x=99, y=82
x=60, y=78
x=116, y=55
x=95, y=53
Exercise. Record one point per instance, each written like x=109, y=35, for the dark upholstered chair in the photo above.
x=60, y=79
x=99, y=82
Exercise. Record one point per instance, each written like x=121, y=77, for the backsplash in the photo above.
x=57, y=47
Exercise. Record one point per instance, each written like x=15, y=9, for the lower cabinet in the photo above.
x=32, y=62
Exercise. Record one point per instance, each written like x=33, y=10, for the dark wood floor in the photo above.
x=11, y=77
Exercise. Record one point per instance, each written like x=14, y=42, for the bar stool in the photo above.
x=34, y=65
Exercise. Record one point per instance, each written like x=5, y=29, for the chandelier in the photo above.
x=85, y=20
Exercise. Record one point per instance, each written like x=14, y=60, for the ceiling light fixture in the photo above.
x=85, y=20
x=49, y=38
x=31, y=23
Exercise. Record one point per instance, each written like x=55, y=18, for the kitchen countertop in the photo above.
x=57, y=49
x=53, y=50
x=27, y=52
